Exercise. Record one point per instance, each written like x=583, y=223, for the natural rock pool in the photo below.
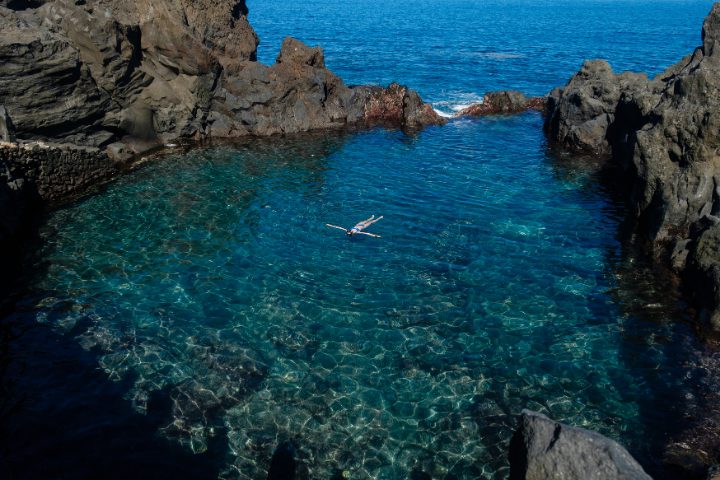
x=207, y=287
x=195, y=313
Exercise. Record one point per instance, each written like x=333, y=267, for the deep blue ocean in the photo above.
x=196, y=313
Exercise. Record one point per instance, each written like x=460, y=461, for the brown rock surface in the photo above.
x=503, y=102
x=146, y=72
x=396, y=105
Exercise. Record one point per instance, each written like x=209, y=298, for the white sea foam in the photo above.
x=498, y=55
x=456, y=102
x=443, y=114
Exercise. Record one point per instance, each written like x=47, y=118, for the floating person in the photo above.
x=359, y=227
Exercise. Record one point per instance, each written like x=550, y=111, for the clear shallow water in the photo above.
x=209, y=278
x=197, y=312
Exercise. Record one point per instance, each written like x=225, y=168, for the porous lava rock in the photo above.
x=503, y=102
x=396, y=105
x=542, y=449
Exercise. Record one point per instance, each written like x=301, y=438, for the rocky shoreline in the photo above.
x=660, y=138
x=658, y=141
x=87, y=86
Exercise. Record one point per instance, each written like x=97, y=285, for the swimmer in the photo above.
x=359, y=227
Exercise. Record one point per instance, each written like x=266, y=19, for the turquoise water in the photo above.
x=198, y=312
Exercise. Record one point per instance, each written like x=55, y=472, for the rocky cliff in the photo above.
x=144, y=72
x=661, y=138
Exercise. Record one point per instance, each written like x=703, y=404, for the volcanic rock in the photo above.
x=503, y=102
x=542, y=449
x=7, y=130
x=662, y=137
x=396, y=105
x=147, y=72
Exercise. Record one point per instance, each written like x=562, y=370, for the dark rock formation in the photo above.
x=542, y=449
x=579, y=115
x=7, y=130
x=53, y=172
x=97, y=72
x=93, y=72
x=663, y=138
x=503, y=102
x=283, y=464
x=299, y=94
x=396, y=105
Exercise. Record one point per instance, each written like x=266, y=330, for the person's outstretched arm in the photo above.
x=335, y=226
x=369, y=234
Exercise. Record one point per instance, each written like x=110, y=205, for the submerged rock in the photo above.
x=662, y=138
x=503, y=102
x=283, y=464
x=542, y=449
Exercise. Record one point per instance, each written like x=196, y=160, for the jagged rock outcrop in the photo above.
x=94, y=72
x=145, y=72
x=542, y=449
x=396, y=105
x=295, y=94
x=503, y=102
x=663, y=138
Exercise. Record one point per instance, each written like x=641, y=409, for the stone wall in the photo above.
x=53, y=172
x=32, y=176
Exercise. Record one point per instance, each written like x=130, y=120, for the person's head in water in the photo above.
x=350, y=232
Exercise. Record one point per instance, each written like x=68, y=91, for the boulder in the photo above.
x=542, y=449
x=580, y=114
x=396, y=105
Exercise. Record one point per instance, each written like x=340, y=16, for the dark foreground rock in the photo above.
x=662, y=138
x=542, y=449
x=503, y=102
